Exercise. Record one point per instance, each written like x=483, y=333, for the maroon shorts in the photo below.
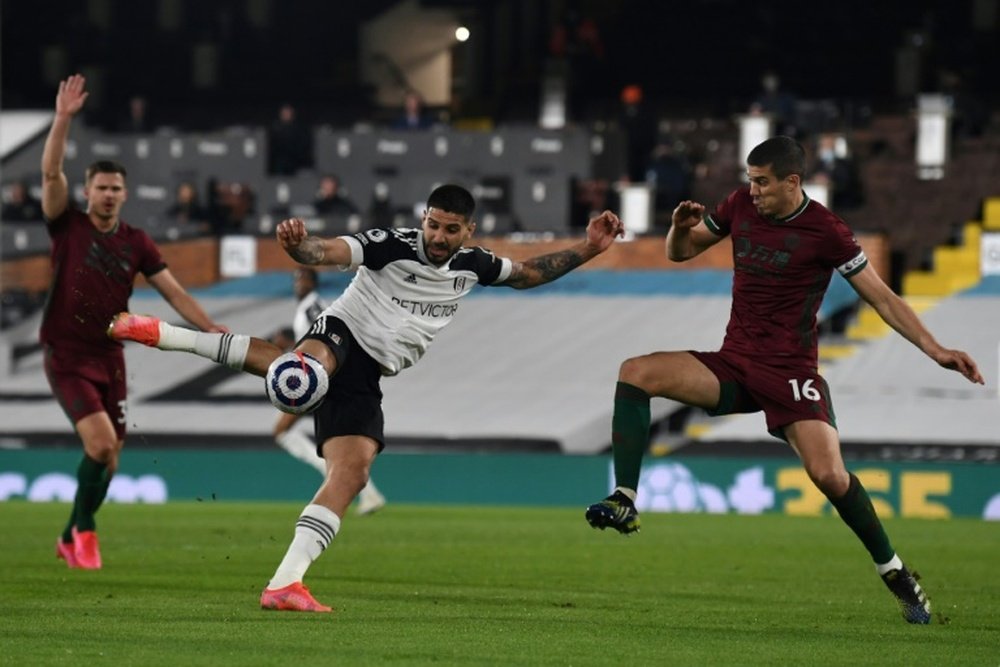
x=85, y=384
x=786, y=394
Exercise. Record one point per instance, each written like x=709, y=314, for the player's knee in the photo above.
x=633, y=372
x=103, y=451
x=831, y=480
x=296, y=383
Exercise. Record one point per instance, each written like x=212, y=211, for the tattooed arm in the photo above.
x=601, y=233
x=312, y=250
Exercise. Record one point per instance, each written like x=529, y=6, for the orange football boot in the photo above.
x=293, y=597
x=86, y=550
x=143, y=329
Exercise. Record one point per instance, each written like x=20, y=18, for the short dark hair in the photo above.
x=105, y=167
x=785, y=155
x=453, y=199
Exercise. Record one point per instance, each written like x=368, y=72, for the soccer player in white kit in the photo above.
x=309, y=305
x=408, y=286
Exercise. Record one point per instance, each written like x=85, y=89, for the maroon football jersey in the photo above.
x=783, y=267
x=92, y=277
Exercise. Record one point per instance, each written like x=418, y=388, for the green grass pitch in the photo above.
x=416, y=585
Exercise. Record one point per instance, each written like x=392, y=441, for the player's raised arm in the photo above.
x=898, y=315
x=601, y=233
x=688, y=235
x=55, y=188
x=312, y=250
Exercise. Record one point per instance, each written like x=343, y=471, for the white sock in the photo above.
x=315, y=529
x=894, y=564
x=301, y=446
x=630, y=493
x=223, y=348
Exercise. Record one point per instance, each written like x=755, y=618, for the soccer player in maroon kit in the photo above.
x=785, y=249
x=95, y=259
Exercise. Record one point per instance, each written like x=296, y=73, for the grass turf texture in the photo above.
x=491, y=586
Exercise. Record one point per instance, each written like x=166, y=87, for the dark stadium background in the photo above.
x=704, y=54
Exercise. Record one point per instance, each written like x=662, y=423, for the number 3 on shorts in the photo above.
x=806, y=390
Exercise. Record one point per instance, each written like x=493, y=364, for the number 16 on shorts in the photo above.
x=804, y=390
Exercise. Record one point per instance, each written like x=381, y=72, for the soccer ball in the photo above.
x=296, y=383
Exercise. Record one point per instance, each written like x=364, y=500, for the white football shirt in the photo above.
x=398, y=300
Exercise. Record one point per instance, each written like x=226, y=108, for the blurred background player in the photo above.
x=785, y=249
x=20, y=206
x=294, y=441
x=187, y=211
x=290, y=143
x=406, y=289
x=330, y=201
x=95, y=259
x=413, y=115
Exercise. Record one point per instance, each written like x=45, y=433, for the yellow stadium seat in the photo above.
x=991, y=213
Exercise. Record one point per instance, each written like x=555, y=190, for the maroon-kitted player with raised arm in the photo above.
x=785, y=249
x=95, y=259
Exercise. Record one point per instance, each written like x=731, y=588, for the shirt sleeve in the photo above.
x=846, y=253
x=357, y=253
x=720, y=221
x=152, y=261
x=492, y=270
x=375, y=248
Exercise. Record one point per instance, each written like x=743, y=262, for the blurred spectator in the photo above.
x=671, y=173
x=777, y=103
x=640, y=133
x=577, y=44
x=329, y=201
x=380, y=210
x=590, y=197
x=229, y=204
x=970, y=115
x=290, y=144
x=136, y=119
x=839, y=171
x=413, y=115
x=187, y=210
x=19, y=205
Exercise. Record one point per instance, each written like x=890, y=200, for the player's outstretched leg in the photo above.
x=912, y=599
x=293, y=597
x=616, y=511
x=228, y=349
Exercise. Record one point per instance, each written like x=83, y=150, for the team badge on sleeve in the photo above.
x=850, y=267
